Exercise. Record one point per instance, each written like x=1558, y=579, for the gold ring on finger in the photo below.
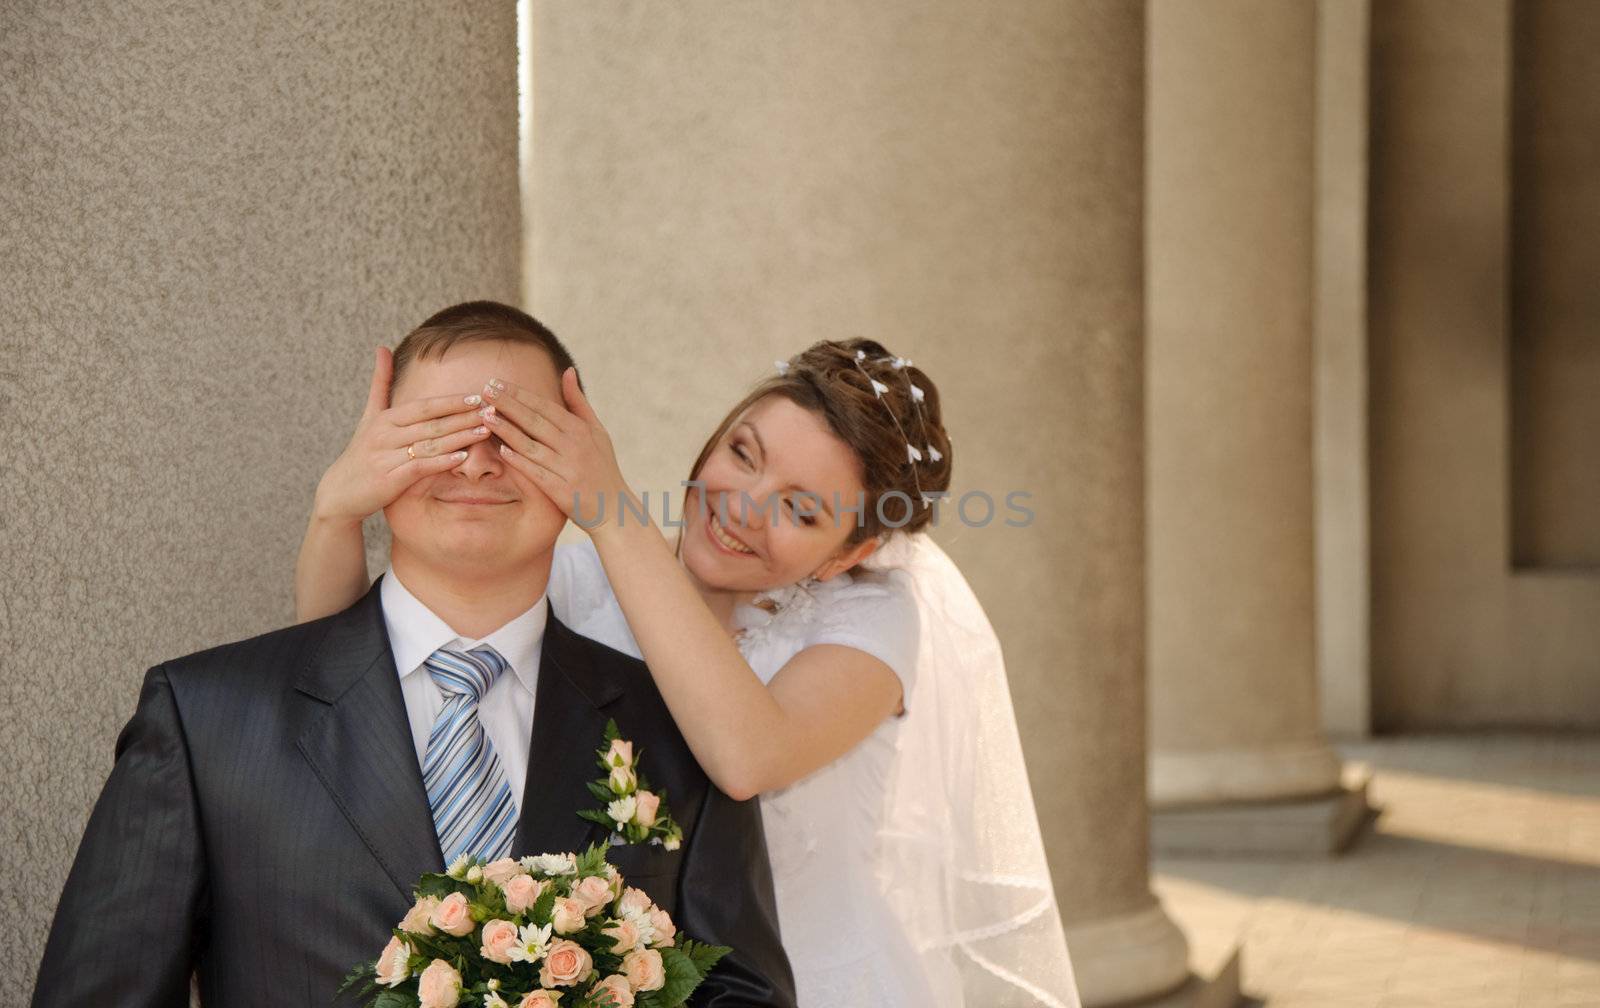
x=411, y=452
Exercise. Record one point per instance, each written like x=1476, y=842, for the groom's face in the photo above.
x=482, y=517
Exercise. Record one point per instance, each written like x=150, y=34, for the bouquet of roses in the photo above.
x=552, y=931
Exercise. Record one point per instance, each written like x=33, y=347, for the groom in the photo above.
x=269, y=810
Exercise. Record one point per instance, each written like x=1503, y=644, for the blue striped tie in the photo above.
x=467, y=790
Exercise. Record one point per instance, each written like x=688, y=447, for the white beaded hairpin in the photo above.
x=913, y=453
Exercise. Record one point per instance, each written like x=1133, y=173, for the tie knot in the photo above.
x=466, y=673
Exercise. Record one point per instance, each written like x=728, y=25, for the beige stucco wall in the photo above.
x=714, y=186
x=210, y=216
x=1460, y=637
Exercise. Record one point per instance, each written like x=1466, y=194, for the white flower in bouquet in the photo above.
x=458, y=867
x=475, y=874
x=394, y=963
x=531, y=945
x=493, y=1000
x=551, y=864
x=621, y=810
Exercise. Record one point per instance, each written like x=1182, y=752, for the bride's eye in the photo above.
x=738, y=450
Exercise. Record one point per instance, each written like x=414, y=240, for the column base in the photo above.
x=1317, y=826
x=1129, y=958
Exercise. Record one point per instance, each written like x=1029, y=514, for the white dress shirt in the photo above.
x=506, y=711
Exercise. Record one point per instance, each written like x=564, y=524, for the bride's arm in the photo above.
x=375, y=468
x=748, y=737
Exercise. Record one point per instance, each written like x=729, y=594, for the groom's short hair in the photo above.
x=474, y=322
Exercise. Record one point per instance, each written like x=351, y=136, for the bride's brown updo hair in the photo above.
x=826, y=379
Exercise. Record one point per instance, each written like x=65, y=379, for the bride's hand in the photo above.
x=376, y=468
x=563, y=449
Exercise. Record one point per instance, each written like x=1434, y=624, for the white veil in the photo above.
x=961, y=858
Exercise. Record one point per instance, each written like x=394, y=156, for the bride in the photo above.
x=815, y=647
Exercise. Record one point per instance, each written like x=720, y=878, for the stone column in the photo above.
x=1231, y=189
x=714, y=186
x=211, y=215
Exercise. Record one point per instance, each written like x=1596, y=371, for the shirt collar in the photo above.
x=415, y=632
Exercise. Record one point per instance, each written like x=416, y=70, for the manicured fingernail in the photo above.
x=460, y=456
x=497, y=384
x=487, y=412
x=473, y=400
x=490, y=392
x=480, y=430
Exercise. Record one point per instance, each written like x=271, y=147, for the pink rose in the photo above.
x=440, y=986
x=522, y=892
x=568, y=915
x=594, y=892
x=644, y=970
x=634, y=902
x=664, y=928
x=620, y=754
x=564, y=964
x=499, y=938
x=394, y=963
x=500, y=872
x=624, y=935
x=453, y=915
x=613, y=990
x=416, y=920
x=646, y=807
x=539, y=999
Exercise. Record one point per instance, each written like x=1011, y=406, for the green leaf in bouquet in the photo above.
x=682, y=978
x=612, y=734
x=396, y=997
x=601, y=792
x=365, y=975
x=593, y=860
x=704, y=956
x=440, y=886
x=543, y=907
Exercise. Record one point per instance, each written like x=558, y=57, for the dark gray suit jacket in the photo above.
x=266, y=820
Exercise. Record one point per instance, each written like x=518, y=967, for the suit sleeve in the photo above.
x=127, y=926
x=725, y=898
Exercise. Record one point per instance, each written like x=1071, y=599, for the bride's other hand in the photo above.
x=562, y=447
x=375, y=467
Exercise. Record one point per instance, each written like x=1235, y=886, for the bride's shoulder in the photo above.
x=872, y=610
x=581, y=596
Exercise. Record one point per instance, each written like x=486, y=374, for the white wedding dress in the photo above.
x=892, y=914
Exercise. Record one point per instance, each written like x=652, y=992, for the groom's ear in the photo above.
x=846, y=559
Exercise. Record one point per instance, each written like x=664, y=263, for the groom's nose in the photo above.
x=483, y=460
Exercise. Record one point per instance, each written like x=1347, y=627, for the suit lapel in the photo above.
x=361, y=749
x=576, y=685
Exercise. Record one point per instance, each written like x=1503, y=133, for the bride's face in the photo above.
x=777, y=462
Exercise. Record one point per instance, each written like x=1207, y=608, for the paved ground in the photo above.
x=1480, y=887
